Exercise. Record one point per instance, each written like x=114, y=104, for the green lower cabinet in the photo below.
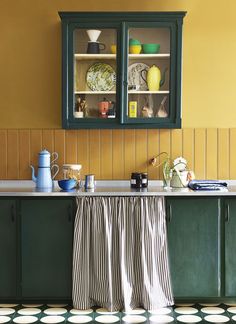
x=193, y=226
x=46, y=243
x=230, y=247
x=8, y=249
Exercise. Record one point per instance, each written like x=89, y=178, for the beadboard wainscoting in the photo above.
x=114, y=154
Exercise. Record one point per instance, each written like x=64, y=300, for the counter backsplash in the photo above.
x=114, y=154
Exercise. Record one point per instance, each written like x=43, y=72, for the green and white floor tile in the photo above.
x=55, y=313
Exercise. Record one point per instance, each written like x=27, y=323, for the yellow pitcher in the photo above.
x=154, y=78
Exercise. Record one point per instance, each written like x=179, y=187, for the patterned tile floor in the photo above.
x=180, y=313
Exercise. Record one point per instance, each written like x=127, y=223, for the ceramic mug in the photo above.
x=95, y=47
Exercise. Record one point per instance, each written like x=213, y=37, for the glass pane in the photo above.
x=148, y=73
x=95, y=73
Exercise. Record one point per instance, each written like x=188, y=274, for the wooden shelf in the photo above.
x=149, y=92
x=148, y=56
x=95, y=92
x=95, y=56
x=113, y=56
x=129, y=92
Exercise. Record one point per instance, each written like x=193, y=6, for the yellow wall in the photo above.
x=30, y=59
x=30, y=93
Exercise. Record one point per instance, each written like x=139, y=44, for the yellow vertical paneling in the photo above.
x=94, y=152
x=232, y=162
x=153, y=150
x=106, y=154
x=223, y=153
x=176, y=143
x=129, y=152
x=200, y=153
x=48, y=139
x=59, y=147
x=141, y=158
x=115, y=154
x=12, y=154
x=24, y=154
x=35, y=146
x=118, y=154
x=83, y=151
x=3, y=154
x=71, y=146
x=188, y=147
x=211, y=153
x=165, y=146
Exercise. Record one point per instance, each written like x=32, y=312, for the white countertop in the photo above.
x=107, y=188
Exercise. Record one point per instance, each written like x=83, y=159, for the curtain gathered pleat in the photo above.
x=120, y=256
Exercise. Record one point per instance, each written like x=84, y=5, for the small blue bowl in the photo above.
x=67, y=184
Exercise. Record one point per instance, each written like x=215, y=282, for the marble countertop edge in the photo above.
x=107, y=188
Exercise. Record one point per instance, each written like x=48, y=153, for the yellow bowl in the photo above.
x=135, y=49
x=113, y=49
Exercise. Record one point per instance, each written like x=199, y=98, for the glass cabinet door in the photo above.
x=150, y=73
x=93, y=78
x=121, y=69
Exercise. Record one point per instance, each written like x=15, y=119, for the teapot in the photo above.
x=44, y=180
x=154, y=79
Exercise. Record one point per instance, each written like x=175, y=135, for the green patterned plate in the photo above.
x=101, y=77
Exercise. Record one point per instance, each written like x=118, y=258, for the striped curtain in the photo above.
x=120, y=259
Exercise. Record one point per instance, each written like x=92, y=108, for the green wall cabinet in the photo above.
x=8, y=249
x=194, y=246
x=230, y=245
x=105, y=78
x=46, y=248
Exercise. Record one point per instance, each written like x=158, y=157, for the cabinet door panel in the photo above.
x=193, y=239
x=7, y=248
x=230, y=245
x=47, y=232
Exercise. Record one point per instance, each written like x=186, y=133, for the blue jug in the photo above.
x=44, y=180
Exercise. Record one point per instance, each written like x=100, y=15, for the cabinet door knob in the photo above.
x=227, y=212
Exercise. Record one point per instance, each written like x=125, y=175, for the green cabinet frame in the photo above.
x=36, y=246
x=229, y=283
x=8, y=249
x=195, y=246
x=121, y=21
x=36, y=235
x=46, y=248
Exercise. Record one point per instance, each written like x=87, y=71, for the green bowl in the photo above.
x=133, y=41
x=151, y=48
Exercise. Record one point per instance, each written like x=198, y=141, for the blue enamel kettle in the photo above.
x=44, y=180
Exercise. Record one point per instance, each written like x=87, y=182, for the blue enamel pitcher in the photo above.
x=44, y=180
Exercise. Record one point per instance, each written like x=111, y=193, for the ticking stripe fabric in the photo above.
x=120, y=259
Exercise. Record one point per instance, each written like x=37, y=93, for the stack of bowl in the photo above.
x=135, y=46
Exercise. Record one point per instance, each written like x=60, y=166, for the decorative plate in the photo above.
x=137, y=77
x=101, y=77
